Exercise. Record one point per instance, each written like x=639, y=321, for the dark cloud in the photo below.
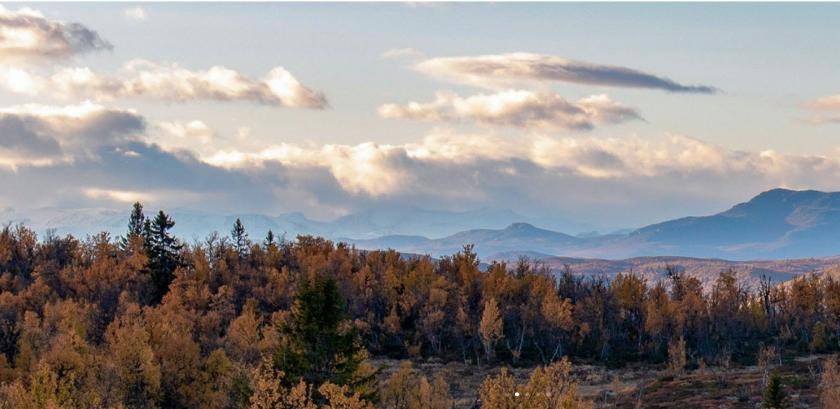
x=35, y=133
x=25, y=136
x=493, y=70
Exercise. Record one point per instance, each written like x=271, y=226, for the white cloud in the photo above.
x=141, y=78
x=363, y=168
x=124, y=196
x=402, y=53
x=192, y=135
x=825, y=109
x=382, y=170
x=135, y=14
x=516, y=108
x=27, y=33
x=499, y=71
x=194, y=131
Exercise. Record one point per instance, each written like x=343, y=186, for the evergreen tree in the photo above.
x=163, y=251
x=136, y=223
x=239, y=237
x=269, y=239
x=774, y=394
x=136, y=220
x=323, y=346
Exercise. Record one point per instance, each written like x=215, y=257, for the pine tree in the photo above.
x=163, y=251
x=136, y=223
x=322, y=346
x=136, y=220
x=269, y=239
x=239, y=237
x=774, y=394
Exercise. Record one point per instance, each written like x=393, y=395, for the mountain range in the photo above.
x=196, y=224
x=776, y=224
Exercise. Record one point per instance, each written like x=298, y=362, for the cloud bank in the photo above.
x=502, y=70
x=516, y=108
x=169, y=82
x=90, y=155
x=26, y=33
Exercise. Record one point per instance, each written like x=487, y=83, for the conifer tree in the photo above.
x=269, y=239
x=136, y=222
x=239, y=237
x=323, y=345
x=774, y=394
x=163, y=251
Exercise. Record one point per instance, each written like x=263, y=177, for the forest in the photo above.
x=147, y=320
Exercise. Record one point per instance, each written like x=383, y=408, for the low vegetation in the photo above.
x=150, y=321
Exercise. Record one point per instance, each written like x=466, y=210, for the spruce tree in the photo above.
x=774, y=394
x=321, y=348
x=239, y=237
x=163, y=251
x=269, y=239
x=136, y=222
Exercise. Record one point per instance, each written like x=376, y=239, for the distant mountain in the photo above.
x=189, y=224
x=776, y=224
x=196, y=224
x=373, y=223
x=517, y=236
x=779, y=223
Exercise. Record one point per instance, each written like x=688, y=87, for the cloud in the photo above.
x=41, y=135
x=195, y=136
x=516, y=108
x=396, y=53
x=135, y=14
x=825, y=109
x=471, y=167
x=192, y=132
x=116, y=175
x=359, y=169
x=623, y=180
x=503, y=70
x=26, y=33
x=170, y=82
x=123, y=196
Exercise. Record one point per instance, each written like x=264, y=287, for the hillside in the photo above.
x=706, y=270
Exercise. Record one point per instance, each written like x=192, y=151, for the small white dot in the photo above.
x=516, y=394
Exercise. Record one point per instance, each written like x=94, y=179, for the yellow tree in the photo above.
x=830, y=384
x=406, y=389
x=137, y=372
x=548, y=387
x=490, y=327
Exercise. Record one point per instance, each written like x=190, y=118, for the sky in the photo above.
x=600, y=116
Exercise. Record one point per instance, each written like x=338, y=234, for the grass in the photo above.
x=738, y=387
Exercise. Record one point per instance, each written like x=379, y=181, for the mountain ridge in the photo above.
x=775, y=224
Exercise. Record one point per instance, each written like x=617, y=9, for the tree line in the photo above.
x=147, y=320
